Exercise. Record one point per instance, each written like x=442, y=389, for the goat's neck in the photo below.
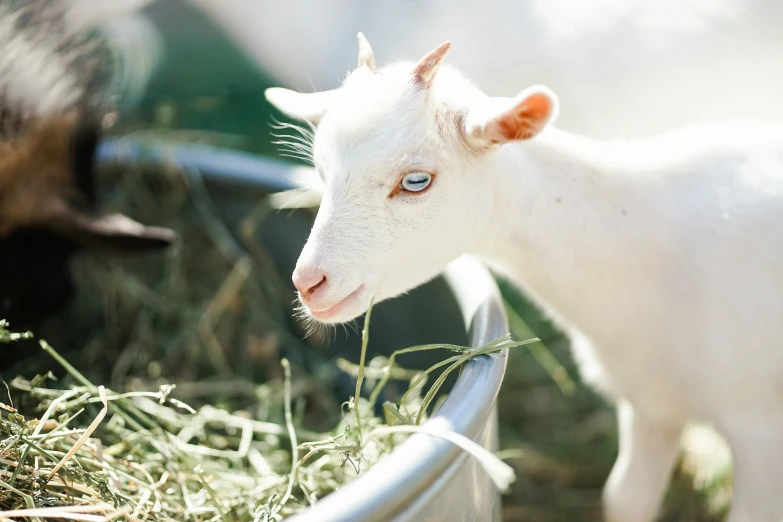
x=562, y=226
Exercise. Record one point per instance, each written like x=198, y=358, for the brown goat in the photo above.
x=47, y=187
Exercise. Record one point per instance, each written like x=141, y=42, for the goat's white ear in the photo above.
x=366, y=56
x=503, y=120
x=301, y=106
x=425, y=71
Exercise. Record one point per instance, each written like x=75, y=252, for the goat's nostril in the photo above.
x=308, y=283
x=316, y=286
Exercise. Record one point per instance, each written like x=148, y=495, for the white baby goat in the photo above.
x=662, y=259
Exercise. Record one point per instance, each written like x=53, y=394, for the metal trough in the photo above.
x=425, y=479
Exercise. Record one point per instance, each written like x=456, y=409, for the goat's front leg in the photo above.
x=637, y=483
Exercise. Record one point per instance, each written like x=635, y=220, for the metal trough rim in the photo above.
x=404, y=477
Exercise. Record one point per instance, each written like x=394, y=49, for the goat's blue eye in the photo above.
x=416, y=181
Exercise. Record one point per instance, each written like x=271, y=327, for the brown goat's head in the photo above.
x=46, y=182
x=57, y=84
x=48, y=212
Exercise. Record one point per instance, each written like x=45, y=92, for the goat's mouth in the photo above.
x=336, y=312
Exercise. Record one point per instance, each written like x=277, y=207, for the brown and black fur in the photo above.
x=48, y=206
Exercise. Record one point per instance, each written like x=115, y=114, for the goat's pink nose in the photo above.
x=307, y=281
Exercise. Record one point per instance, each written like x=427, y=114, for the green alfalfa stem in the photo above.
x=360, y=377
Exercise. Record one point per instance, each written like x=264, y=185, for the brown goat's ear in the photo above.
x=113, y=232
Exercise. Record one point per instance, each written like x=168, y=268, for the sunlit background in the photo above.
x=621, y=69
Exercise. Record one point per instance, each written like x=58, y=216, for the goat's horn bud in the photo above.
x=366, y=56
x=425, y=71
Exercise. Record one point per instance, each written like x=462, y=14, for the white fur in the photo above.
x=662, y=259
x=33, y=72
x=135, y=43
x=37, y=75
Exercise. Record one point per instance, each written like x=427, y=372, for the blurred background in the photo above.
x=214, y=315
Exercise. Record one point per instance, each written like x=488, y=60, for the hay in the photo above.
x=95, y=454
